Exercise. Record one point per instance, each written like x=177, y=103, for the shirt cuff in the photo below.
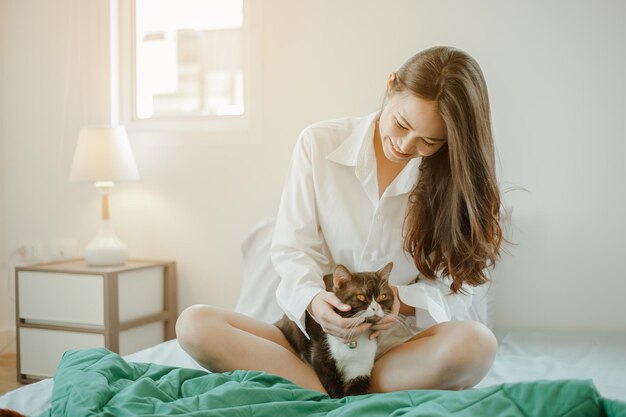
x=297, y=308
x=425, y=297
x=433, y=304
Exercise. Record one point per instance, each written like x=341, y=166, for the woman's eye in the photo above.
x=360, y=297
x=399, y=125
x=430, y=145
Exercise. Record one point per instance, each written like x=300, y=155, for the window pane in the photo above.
x=189, y=58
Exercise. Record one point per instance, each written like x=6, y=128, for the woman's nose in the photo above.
x=408, y=144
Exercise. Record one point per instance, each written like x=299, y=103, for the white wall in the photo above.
x=557, y=94
x=4, y=297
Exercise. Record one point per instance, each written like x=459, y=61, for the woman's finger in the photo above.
x=353, y=334
x=347, y=334
x=382, y=326
x=349, y=322
x=340, y=329
x=332, y=299
x=388, y=318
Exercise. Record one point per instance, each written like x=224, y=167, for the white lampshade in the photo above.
x=103, y=154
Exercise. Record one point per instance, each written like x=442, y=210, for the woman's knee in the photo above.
x=479, y=340
x=195, y=324
x=472, y=352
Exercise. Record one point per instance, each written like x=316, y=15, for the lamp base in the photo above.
x=106, y=249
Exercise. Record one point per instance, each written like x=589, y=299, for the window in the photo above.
x=184, y=64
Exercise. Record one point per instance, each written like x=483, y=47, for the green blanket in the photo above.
x=97, y=382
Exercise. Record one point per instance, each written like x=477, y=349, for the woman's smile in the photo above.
x=396, y=151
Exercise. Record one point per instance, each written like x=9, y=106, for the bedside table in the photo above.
x=70, y=305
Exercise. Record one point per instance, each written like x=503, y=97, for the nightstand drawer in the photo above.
x=141, y=337
x=71, y=305
x=61, y=298
x=41, y=350
x=140, y=293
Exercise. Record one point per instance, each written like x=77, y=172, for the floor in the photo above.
x=8, y=366
x=8, y=373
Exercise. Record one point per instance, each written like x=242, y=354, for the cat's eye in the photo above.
x=382, y=297
x=361, y=297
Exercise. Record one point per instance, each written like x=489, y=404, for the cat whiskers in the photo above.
x=397, y=320
x=354, y=324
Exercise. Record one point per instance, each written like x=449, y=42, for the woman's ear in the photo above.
x=390, y=82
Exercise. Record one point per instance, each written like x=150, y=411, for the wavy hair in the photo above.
x=452, y=225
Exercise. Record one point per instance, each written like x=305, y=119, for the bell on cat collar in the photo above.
x=352, y=345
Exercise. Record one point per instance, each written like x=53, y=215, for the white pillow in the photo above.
x=260, y=281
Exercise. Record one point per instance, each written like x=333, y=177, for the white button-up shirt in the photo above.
x=330, y=214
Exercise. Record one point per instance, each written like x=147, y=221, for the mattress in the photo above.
x=522, y=356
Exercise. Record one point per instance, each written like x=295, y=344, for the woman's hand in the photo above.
x=390, y=318
x=322, y=308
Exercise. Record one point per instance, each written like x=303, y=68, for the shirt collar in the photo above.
x=358, y=151
x=406, y=179
x=351, y=150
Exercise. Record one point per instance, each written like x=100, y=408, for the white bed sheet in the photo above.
x=525, y=355
x=522, y=356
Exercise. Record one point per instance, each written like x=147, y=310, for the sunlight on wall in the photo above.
x=557, y=96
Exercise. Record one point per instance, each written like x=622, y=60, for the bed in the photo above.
x=523, y=356
x=577, y=370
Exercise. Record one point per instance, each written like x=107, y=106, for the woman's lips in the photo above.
x=397, y=152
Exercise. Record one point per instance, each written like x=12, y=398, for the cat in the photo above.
x=344, y=369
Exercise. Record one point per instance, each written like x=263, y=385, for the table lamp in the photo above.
x=103, y=155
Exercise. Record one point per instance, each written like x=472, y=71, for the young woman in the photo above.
x=414, y=184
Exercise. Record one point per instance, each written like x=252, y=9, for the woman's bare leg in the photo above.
x=451, y=355
x=222, y=340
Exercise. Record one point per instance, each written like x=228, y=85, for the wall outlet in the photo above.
x=63, y=249
x=32, y=249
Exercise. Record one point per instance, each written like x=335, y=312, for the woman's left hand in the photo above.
x=390, y=318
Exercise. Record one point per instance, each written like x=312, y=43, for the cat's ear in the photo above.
x=384, y=272
x=340, y=276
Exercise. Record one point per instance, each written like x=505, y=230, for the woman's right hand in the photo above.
x=322, y=308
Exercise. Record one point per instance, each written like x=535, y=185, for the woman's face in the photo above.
x=410, y=127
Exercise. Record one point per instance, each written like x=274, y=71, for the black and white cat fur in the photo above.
x=344, y=370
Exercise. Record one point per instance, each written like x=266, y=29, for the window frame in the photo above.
x=180, y=126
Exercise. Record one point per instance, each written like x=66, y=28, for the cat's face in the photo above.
x=368, y=293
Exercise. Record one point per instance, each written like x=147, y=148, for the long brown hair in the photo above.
x=452, y=224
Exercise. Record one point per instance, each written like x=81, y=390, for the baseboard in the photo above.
x=7, y=341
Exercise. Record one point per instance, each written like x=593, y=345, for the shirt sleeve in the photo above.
x=434, y=303
x=298, y=250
